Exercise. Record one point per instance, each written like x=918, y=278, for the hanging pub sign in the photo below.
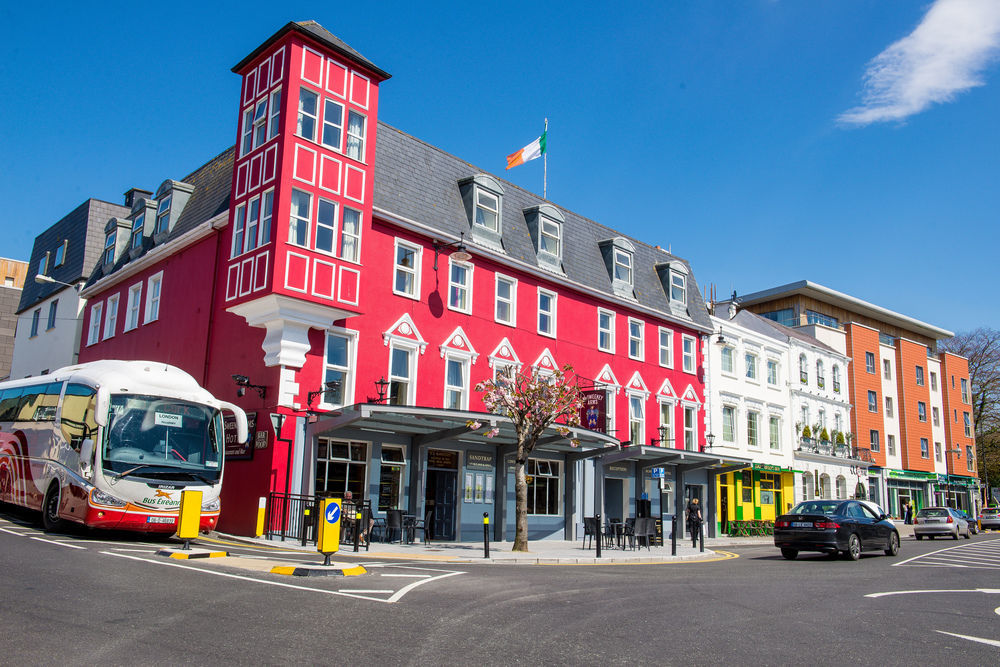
x=594, y=410
x=239, y=451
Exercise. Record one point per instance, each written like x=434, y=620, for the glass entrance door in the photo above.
x=441, y=494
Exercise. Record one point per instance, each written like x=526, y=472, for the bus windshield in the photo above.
x=163, y=438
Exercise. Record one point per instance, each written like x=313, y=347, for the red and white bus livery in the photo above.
x=111, y=444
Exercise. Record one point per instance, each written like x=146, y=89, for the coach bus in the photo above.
x=112, y=444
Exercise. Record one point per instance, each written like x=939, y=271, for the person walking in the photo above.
x=694, y=520
x=908, y=517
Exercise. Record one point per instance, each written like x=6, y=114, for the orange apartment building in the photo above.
x=911, y=405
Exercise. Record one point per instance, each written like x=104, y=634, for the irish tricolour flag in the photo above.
x=533, y=150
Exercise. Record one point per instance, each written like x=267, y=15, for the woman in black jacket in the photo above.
x=694, y=520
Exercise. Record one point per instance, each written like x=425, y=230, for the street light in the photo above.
x=43, y=279
x=460, y=254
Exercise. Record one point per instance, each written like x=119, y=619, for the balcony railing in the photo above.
x=827, y=448
x=820, y=382
x=836, y=387
x=803, y=377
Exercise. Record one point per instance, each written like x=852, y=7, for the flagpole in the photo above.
x=545, y=168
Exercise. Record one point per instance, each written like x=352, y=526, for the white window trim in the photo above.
x=352, y=365
x=693, y=429
x=641, y=420
x=149, y=316
x=669, y=347
x=273, y=114
x=344, y=235
x=676, y=274
x=414, y=350
x=671, y=406
x=417, y=262
x=610, y=330
x=756, y=429
x=333, y=227
x=554, y=300
x=475, y=206
x=134, y=307
x=343, y=119
x=466, y=364
x=111, y=317
x=512, y=302
x=771, y=445
x=735, y=424
x=629, y=263
x=308, y=221
x=299, y=113
x=469, y=267
x=755, y=358
x=641, y=339
x=363, y=136
x=694, y=354
x=777, y=372
x=96, y=322
x=542, y=220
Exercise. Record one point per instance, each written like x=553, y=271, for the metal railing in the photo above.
x=843, y=451
x=292, y=516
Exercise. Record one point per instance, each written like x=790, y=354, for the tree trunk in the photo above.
x=520, y=508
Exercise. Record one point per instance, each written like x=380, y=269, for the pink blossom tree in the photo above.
x=533, y=401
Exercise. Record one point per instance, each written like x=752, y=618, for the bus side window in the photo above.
x=77, y=419
x=49, y=403
x=31, y=399
x=9, y=401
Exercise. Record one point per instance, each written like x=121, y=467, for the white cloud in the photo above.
x=945, y=55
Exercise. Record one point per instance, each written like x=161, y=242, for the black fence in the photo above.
x=295, y=517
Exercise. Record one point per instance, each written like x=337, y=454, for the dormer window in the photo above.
x=623, y=266
x=109, y=247
x=487, y=210
x=550, y=238
x=135, y=241
x=674, y=280
x=60, y=257
x=162, y=215
x=619, y=258
x=678, y=287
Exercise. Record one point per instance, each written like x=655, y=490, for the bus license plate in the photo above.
x=160, y=519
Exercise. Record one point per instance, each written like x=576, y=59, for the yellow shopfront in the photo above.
x=760, y=493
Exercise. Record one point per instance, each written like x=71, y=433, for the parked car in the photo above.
x=835, y=526
x=989, y=517
x=943, y=521
x=973, y=524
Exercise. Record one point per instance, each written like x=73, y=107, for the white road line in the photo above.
x=12, y=532
x=366, y=590
x=414, y=576
x=969, y=558
x=62, y=544
x=981, y=640
x=929, y=553
x=936, y=590
x=406, y=589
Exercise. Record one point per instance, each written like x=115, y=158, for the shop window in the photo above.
x=543, y=486
x=391, y=476
x=341, y=466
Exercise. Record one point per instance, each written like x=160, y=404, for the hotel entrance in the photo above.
x=441, y=494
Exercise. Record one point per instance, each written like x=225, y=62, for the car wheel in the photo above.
x=893, y=545
x=919, y=537
x=50, y=510
x=955, y=536
x=789, y=554
x=968, y=533
x=853, y=547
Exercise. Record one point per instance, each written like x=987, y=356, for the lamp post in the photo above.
x=43, y=279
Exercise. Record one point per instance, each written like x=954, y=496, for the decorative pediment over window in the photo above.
x=482, y=197
x=619, y=260
x=404, y=331
x=666, y=390
x=504, y=354
x=458, y=342
x=690, y=396
x=607, y=377
x=545, y=362
x=636, y=384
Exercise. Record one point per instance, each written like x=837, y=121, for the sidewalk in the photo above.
x=542, y=552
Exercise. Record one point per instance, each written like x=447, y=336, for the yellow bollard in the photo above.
x=189, y=520
x=261, y=511
x=328, y=540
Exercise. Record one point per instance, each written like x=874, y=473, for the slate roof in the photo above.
x=83, y=227
x=767, y=327
x=212, y=184
x=321, y=35
x=418, y=181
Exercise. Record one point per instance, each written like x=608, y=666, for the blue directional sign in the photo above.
x=328, y=540
x=333, y=513
x=658, y=473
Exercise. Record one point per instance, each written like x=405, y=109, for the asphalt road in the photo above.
x=95, y=598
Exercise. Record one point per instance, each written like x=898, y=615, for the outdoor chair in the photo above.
x=393, y=525
x=645, y=529
x=590, y=529
x=424, y=525
x=628, y=533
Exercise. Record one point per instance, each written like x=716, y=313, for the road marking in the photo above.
x=366, y=590
x=12, y=532
x=980, y=554
x=62, y=544
x=981, y=640
x=406, y=589
x=415, y=576
x=994, y=591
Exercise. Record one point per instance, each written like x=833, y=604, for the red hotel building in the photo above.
x=362, y=282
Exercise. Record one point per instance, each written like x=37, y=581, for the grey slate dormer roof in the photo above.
x=420, y=182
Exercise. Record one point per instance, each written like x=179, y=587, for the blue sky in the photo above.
x=852, y=143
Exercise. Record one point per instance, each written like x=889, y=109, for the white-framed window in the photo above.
x=111, y=317
x=938, y=454
x=636, y=339
x=260, y=123
x=338, y=368
x=690, y=428
x=265, y=217
x=326, y=226
x=936, y=416
x=822, y=418
x=888, y=406
x=803, y=369
x=886, y=369
x=135, y=241
x=688, y=348
x=550, y=237
x=300, y=218
x=308, y=111
x=934, y=385
x=820, y=377
x=968, y=424
x=751, y=366
x=890, y=444
x=456, y=383
x=610, y=412
x=805, y=415
x=487, y=210
x=970, y=461
x=134, y=301
x=60, y=257
x=253, y=225
x=836, y=379
x=872, y=401
x=36, y=318
x=874, y=443
x=965, y=391
x=459, y=286
x=605, y=330
x=406, y=275
x=547, y=312
x=841, y=487
x=246, y=143
x=921, y=411
x=402, y=374
x=753, y=423
x=623, y=265
x=274, y=124
x=870, y=362
x=729, y=423
x=727, y=353
x=153, y=287
x=772, y=372
x=544, y=489
x=838, y=421
x=53, y=308
x=96, y=317
x=678, y=288
x=924, y=448
x=162, y=215
x=666, y=434
x=391, y=476
x=505, y=307
x=636, y=419
x=920, y=376
x=333, y=125
x=356, y=127
x=666, y=348
x=774, y=431
x=350, y=235
x=239, y=230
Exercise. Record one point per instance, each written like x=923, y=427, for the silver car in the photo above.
x=989, y=517
x=943, y=521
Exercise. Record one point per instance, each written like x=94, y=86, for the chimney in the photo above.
x=135, y=193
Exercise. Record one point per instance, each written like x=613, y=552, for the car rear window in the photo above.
x=933, y=512
x=815, y=507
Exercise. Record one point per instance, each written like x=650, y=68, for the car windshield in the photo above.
x=164, y=438
x=932, y=512
x=827, y=508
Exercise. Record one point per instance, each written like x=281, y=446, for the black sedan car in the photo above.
x=833, y=527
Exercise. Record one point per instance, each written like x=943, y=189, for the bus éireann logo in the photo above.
x=162, y=494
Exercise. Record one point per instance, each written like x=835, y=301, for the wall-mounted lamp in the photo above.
x=460, y=254
x=663, y=433
x=721, y=340
x=956, y=452
x=710, y=440
x=381, y=386
x=332, y=385
x=243, y=383
x=43, y=279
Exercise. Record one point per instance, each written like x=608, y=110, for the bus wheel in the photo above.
x=50, y=510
